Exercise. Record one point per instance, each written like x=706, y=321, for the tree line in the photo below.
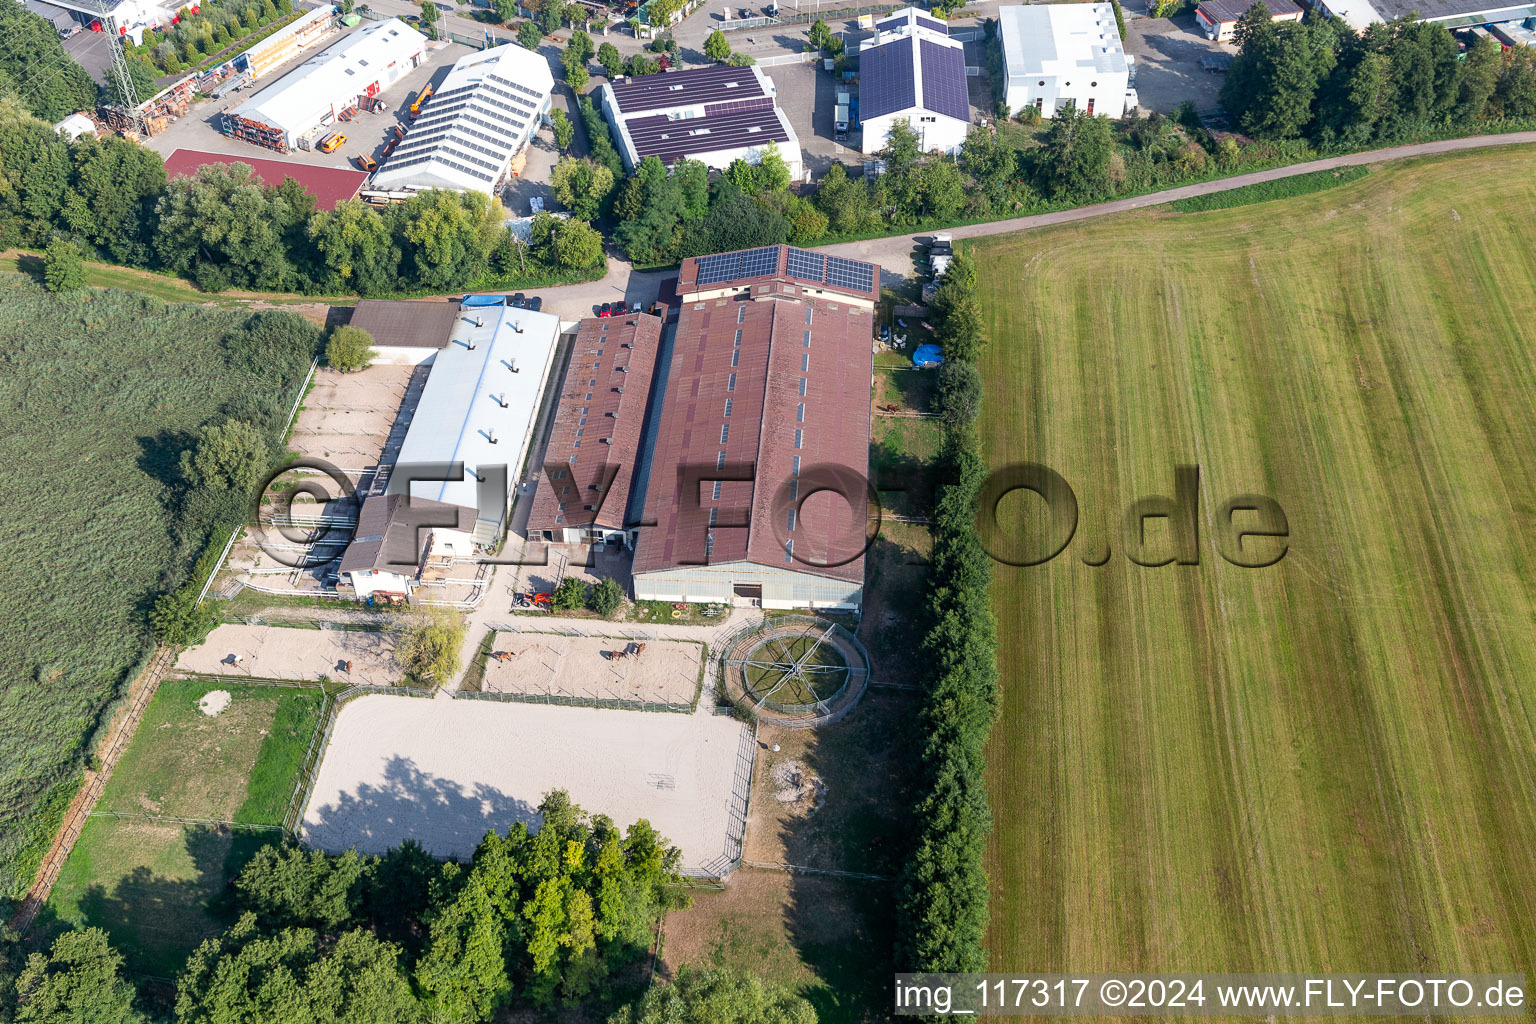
x=942, y=894
x=544, y=918
x=1318, y=80
x=224, y=228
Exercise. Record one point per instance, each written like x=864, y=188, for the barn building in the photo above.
x=289, y=113
x=1218, y=18
x=1056, y=54
x=911, y=70
x=484, y=114
x=329, y=185
x=584, y=493
x=714, y=115
x=757, y=480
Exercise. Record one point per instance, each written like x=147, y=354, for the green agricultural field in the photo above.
x=100, y=393
x=155, y=884
x=1328, y=764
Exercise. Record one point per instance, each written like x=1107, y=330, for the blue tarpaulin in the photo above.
x=927, y=355
x=475, y=301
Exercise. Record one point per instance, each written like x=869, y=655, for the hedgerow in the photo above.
x=942, y=910
x=1264, y=191
x=100, y=393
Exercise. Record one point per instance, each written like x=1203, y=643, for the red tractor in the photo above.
x=535, y=600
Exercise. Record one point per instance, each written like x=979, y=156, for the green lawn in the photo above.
x=156, y=886
x=1329, y=764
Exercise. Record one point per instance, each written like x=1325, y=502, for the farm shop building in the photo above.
x=756, y=490
x=584, y=492
x=913, y=71
x=288, y=113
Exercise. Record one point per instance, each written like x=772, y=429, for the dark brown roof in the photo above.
x=1232, y=10
x=762, y=380
x=403, y=323
x=391, y=531
x=602, y=396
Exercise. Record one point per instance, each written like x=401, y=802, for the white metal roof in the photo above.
x=342, y=71
x=477, y=121
x=1059, y=39
x=1357, y=14
x=461, y=406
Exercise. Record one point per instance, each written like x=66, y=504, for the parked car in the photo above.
x=332, y=142
x=605, y=309
x=518, y=302
x=635, y=308
x=535, y=303
x=367, y=163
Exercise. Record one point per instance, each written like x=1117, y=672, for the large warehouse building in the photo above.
x=484, y=114
x=714, y=115
x=758, y=477
x=290, y=112
x=1055, y=54
x=911, y=70
x=584, y=492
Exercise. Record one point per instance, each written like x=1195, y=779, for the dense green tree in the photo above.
x=692, y=180
x=819, y=36
x=581, y=43
x=992, y=166
x=142, y=75
x=289, y=887
x=1479, y=78
x=63, y=266
x=1276, y=75
x=506, y=11
x=1073, y=159
x=846, y=202
x=355, y=249
x=581, y=186
x=902, y=148
x=605, y=597
x=429, y=17
x=654, y=233
x=177, y=620
x=33, y=64
x=570, y=594
x=639, y=64
x=578, y=246
x=529, y=36
x=565, y=131
x=111, y=197
x=224, y=228
x=1360, y=96
x=958, y=397
x=349, y=349
x=1516, y=92
x=229, y=456
x=428, y=645
x=735, y=221
x=78, y=981
x=612, y=61
x=447, y=237
x=575, y=68
x=550, y=16
x=718, y=996
x=36, y=168
x=599, y=141
x=717, y=47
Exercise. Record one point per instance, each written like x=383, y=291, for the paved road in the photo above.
x=894, y=253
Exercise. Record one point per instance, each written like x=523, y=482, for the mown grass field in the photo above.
x=154, y=884
x=1328, y=764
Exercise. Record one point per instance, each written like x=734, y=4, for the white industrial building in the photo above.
x=715, y=115
x=1055, y=54
x=911, y=70
x=288, y=113
x=486, y=111
x=475, y=417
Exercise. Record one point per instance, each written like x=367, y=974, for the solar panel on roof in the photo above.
x=808, y=266
x=887, y=80
x=944, y=87
x=852, y=274
x=733, y=266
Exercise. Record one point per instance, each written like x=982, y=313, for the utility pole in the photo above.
x=126, y=93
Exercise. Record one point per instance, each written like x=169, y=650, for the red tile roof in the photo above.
x=329, y=185
x=602, y=396
x=771, y=424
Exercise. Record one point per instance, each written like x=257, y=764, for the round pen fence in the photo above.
x=797, y=671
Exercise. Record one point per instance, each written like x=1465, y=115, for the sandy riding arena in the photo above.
x=281, y=652
x=444, y=772
x=666, y=672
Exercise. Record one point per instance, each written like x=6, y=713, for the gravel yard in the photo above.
x=545, y=663
x=445, y=771
x=280, y=652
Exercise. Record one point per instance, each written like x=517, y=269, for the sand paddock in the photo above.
x=281, y=652
x=445, y=772
x=571, y=666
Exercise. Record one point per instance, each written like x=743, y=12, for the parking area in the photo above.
x=281, y=652
x=444, y=772
x=1168, y=53
x=368, y=133
x=808, y=95
x=593, y=667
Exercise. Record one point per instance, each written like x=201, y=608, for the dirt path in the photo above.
x=896, y=251
x=140, y=694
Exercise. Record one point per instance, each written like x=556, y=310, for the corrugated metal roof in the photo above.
x=594, y=444
x=329, y=185
x=1231, y=10
x=391, y=531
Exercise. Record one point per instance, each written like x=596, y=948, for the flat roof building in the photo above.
x=482, y=116
x=474, y=420
x=1055, y=54
x=912, y=70
x=758, y=477
x=593, y=451
x=286, y=114
x=329, y=185
x=714, y=115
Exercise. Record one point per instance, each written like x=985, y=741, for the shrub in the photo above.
x=605, y=598
x=179, y=621
x=570, y=594
x=349, y=349
x=63, y=267
x=429, y=645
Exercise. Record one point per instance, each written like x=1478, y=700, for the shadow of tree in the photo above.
x=411, y=804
